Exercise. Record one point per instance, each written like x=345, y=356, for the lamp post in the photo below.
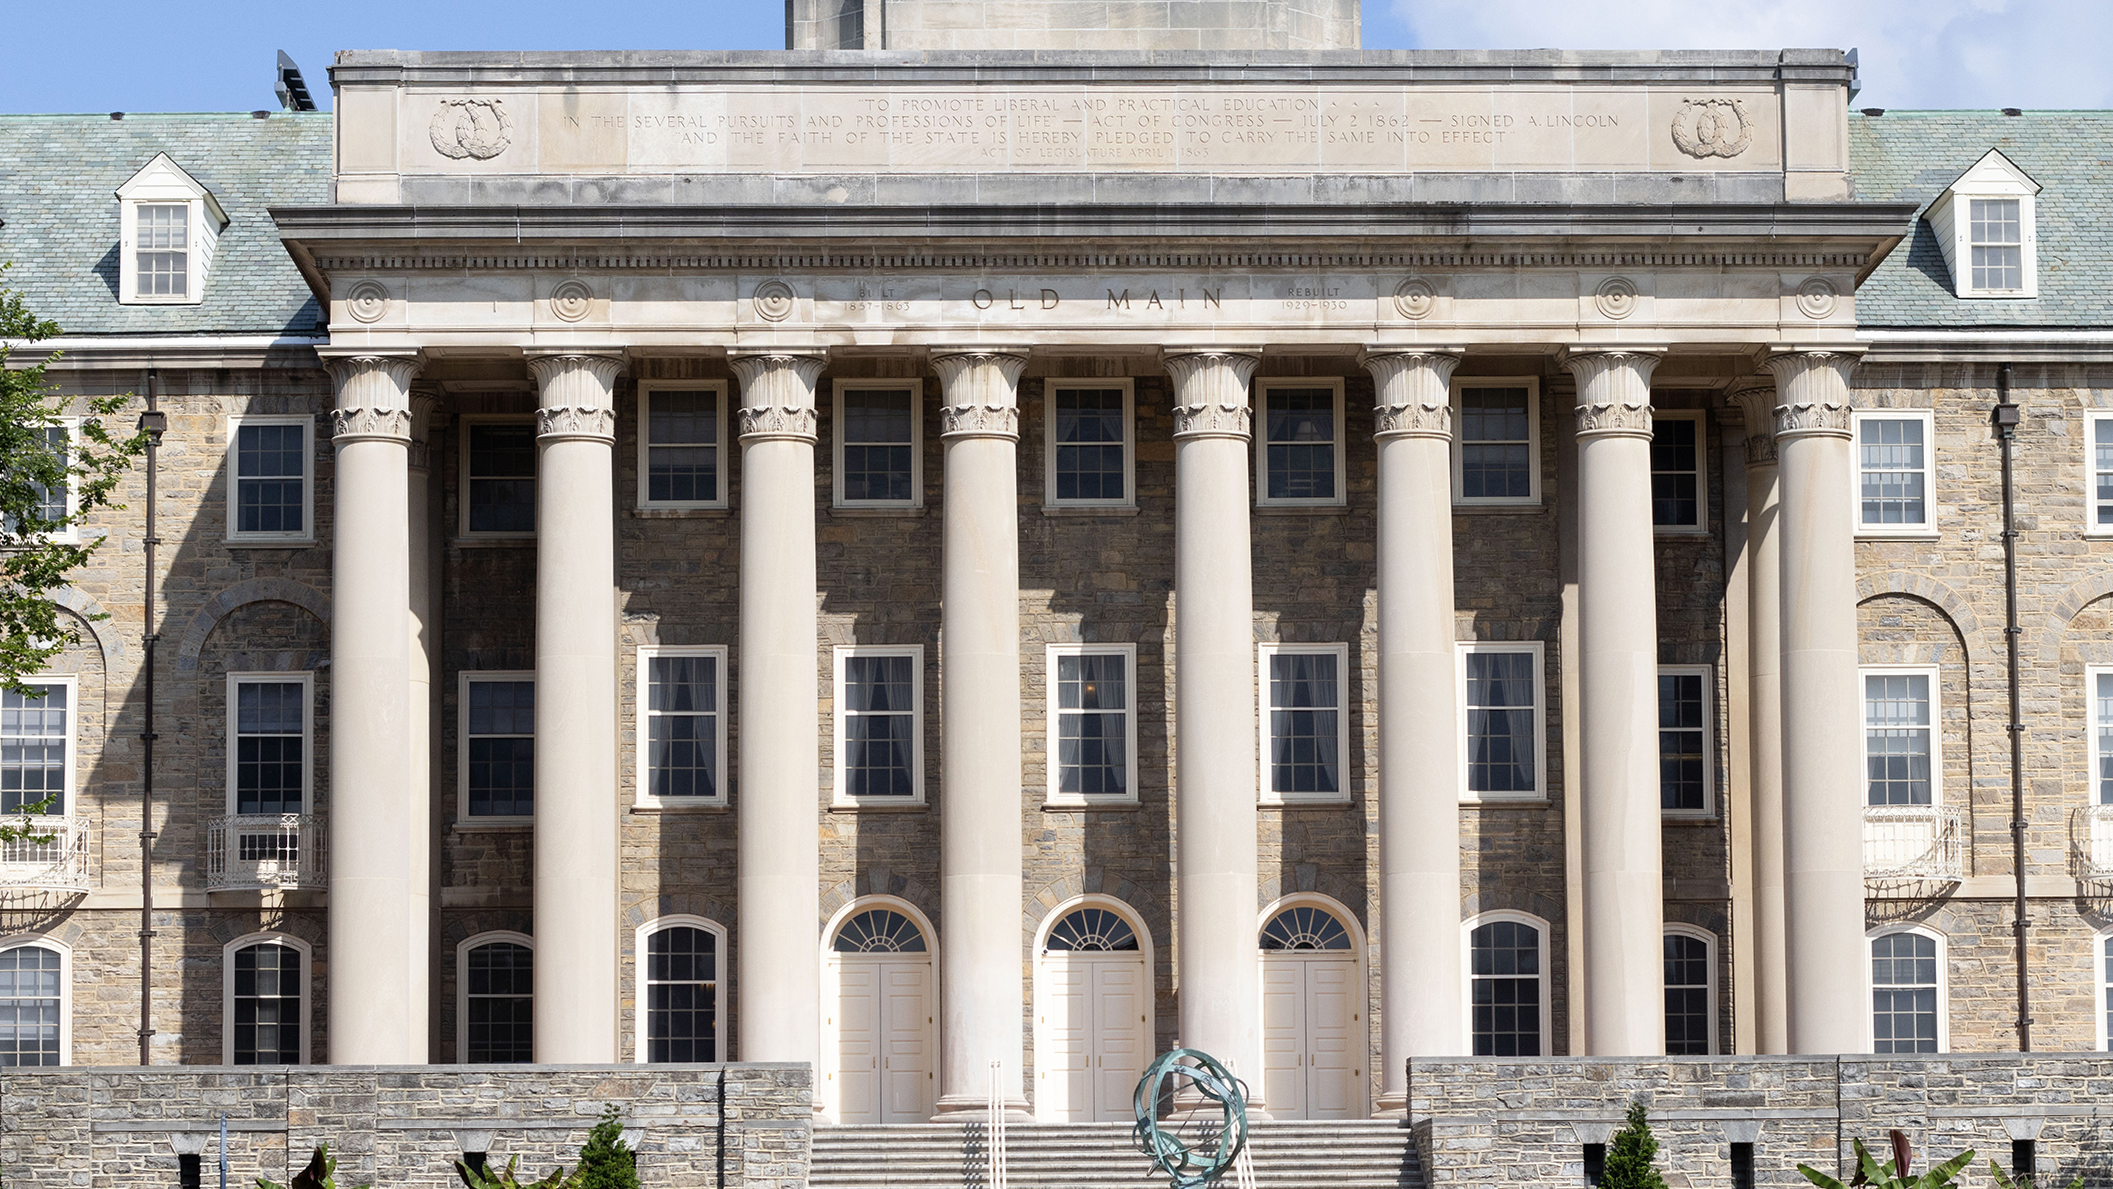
x=152, y=423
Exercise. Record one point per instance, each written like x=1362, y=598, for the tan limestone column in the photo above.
x=1420, y=1012
x=1215, y=779
x=370, y=730
x=576, y=802
x=980, y=955
x=1764, y=780
x=1827, y=1010
x=1618, y=691
x=422, y=638
x=778, y=964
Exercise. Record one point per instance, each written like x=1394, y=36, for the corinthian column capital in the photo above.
x=1813, y=391
x=777, y=394
x=373, y=397
x=980, y=391
x=1210, y=392
x=1412, y=397
x=576, y=395
x=1613, y=389
x=1755, y=398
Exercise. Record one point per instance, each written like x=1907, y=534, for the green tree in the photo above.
x=1632, y=1158
x=51, y=481
x=606, y=1162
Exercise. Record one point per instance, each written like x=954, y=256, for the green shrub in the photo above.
x=606, y=1162
x=1632, y=1157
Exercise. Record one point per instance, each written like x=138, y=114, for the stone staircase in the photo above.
x=1333, y=1154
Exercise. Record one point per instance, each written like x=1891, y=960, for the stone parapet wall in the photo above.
x=701, y=1125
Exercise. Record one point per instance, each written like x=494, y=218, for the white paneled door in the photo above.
x=1312, y=1036
x=1094, y=1035
x=883, y=1060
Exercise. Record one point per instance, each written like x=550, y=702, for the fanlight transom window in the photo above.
x=880, y=931
x=1304, y=928
x=1085, y=929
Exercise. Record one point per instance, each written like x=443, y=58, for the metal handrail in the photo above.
x=994, y=1129
x=265, y=850
x=1914, y=842
x=56, y=858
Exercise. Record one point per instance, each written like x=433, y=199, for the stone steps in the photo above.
x=1288, y=1154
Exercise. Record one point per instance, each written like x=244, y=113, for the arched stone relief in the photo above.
x=87, y=609
x=878, y=881
x=2085, y=592
x=256, y=590
x=1936, y=594
x=1140, y=901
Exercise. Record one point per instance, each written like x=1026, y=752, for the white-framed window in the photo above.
x=269, y=742
x=879, y=444
x=1092, y=731
x=681, y=964
x=1090, y=450
x=1680, y=470
x=1503, y=722
x=495, y=999
x=54, y=503
x=2098, y=709
x=880, y=724
x=682, y=443
x=681, y=726
x=36, y=992
x=1690, y=991
x=1902, y=746
x=168, y=228
x=1895, y=472
x=37, y=734
x=496, y=749
x=271, y=486
x=1496, y=441
x=1686, y=759
x=2098, y=474
x=498, y=489
x=1507, y=984
x=1907, y=992
x=1985, y=227
x=2102, y=984
x=1305, y=703
x=264, y=1000
x=1299, y=442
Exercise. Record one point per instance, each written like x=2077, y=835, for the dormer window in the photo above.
x=170, y=224
x=1984, y=226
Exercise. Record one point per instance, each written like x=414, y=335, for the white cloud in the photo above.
x=1914, y=53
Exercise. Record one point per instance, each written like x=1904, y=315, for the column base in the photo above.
x=964, y=1108
x=1392, y=1106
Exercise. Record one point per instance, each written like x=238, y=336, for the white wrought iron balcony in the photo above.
x=265, y=850
x=1914, y=842
x=56, y=859
x=2091, y=835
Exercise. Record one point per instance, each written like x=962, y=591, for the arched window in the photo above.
x=1305, y=927
x=1907, y=1009
x=879, y=931
x=1690, y=993
x=32, y=1006
x=497, y=1000
x=679, y=966
x=1507, y=1002
x=265, y=1020
x=1091, y=929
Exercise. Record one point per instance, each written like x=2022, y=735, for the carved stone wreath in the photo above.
x=473, y=128
x=1415, y=298
x=367, y=301
x=1816, y=297
x=1712, y=127
x=774, y=300
x=1616, y=297
x=571, y=300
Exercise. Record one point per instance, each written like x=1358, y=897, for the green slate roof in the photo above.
x=59, y=216
x=1911, y=156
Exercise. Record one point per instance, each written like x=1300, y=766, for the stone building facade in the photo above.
x=681, y=546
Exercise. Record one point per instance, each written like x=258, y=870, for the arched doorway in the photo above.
x=1093, y=1013
x=1314, y=1043
x=877, y=1049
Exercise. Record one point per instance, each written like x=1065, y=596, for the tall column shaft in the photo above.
x=1826, y=1010
x=1420, y=1013
x=1764, y=629
x=418, y=734
x=1215, y=778
x=1618, y=689
x=779, y=856
x=980, y=955
x=370, y=673
x=576, y=802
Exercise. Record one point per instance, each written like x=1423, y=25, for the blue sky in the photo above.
x=132, y=56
